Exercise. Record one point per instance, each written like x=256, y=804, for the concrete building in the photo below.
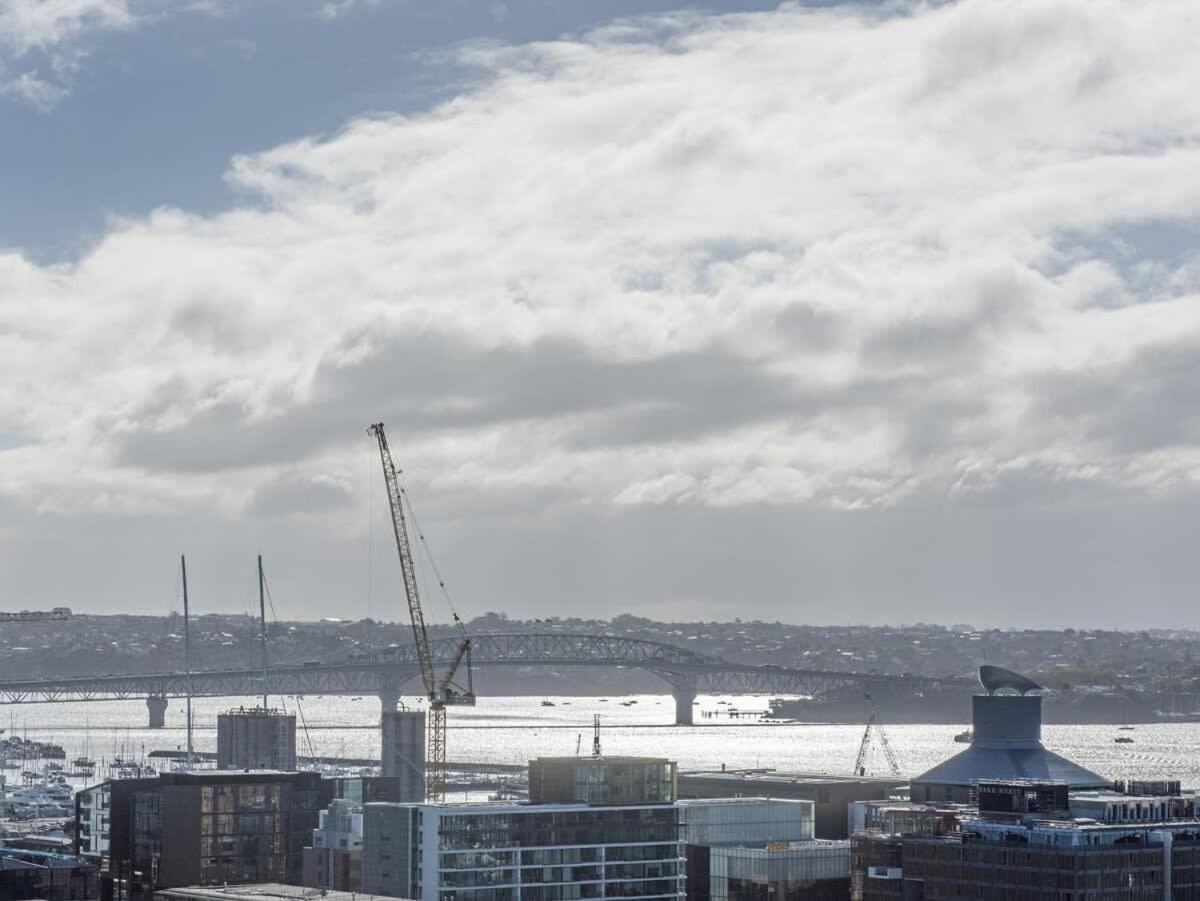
x=595, y=827
x=403, y=751
x=1030, y=840
x=334, y=861
x=745, y=849
x=47, y=876
x=830, y=795
x=198, y=828
x=256, y=739
x=1025, y=862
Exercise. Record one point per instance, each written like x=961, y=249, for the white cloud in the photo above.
x=29, y=24
x=38, y=40
x=835, y=258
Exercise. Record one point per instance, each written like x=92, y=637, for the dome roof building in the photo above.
x=1006, y=744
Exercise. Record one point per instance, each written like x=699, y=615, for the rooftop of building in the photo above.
x=514, y=806
x=267, y=891
x=205, y=777
x=17, y=858
x=603, y=758
x=770, y=775
x=1087, y=824
x=1109, y=794
x=740, y=799
x=273, y=712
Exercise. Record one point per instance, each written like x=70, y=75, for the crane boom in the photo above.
x=874, y=725
x=438, y=693
x=407, y=567
x=448, y=679
x=860, y=762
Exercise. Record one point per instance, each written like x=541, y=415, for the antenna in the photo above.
x=596, y=735
x=187, y=656
x=262, y=631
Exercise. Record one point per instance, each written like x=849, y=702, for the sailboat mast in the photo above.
x=187, y=656
x=262, y=630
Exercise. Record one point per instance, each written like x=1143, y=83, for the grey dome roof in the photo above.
x=1007, y=744
x=978, y=764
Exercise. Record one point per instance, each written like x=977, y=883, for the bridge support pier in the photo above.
x=685, y=694
x=157, y=705
x=389, y=699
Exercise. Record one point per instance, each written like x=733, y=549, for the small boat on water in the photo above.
x=1125, y=728
x=548, y=703
x=1123, y=740
x=964, y=737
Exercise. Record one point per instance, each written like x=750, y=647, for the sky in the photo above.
x=825, y=313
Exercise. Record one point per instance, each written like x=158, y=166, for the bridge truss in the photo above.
x=688, y=672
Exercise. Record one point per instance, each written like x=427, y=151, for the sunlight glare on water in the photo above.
x=512, y=730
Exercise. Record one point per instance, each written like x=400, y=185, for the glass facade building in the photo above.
x=755, y=849
x=781, y=871
x=522, y=852
x=602, y=780
x=201, y=828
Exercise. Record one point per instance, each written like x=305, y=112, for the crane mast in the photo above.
x=438, y=693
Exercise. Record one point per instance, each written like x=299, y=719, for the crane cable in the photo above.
x=282, y=702
x=428, y=553
x=370, y=547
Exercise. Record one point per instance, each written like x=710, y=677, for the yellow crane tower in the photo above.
x=440, y=693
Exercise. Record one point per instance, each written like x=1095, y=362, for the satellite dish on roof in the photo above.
x=994, y=678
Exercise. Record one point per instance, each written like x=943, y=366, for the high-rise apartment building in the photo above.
x=198, y=828
x=522, y=852
x=600, y=827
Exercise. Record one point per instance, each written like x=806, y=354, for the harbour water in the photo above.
x=511, y=730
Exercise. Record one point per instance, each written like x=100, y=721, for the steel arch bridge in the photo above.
x=687, y=672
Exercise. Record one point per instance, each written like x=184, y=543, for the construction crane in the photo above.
x=874, y=727
x=58, y=614
x=443, y=692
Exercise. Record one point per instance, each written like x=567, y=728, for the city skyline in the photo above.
x=823, y=313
